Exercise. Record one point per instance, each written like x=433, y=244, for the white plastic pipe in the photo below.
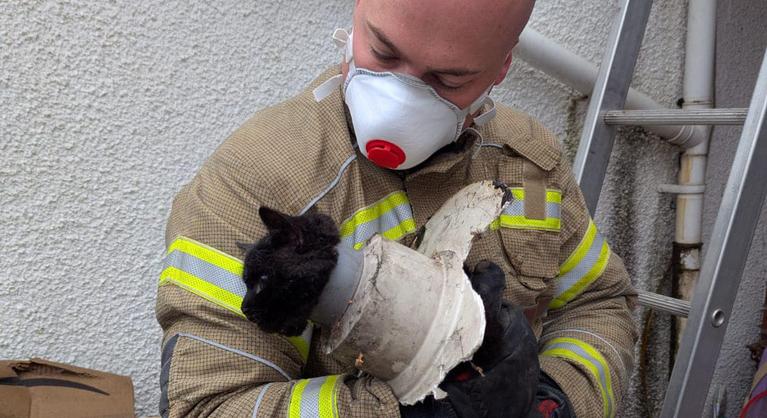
x=698, y=93
x=580, y=74
x=412, y=315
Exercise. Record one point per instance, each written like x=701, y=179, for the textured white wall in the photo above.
x=107, y=108
x=741, y=43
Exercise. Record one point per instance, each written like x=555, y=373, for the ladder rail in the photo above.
x=610, y=90
x=724, y=264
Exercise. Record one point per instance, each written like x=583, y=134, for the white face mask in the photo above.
x=400, y=121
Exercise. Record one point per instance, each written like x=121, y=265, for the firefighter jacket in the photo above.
x=299, y=156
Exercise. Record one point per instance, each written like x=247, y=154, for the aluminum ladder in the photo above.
x=714, y=295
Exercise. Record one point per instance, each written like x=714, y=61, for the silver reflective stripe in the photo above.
x=602, y=373
x=259, y=399
x=330, y=185
x=569, y=279
x=310, y=399
x=552, y=210
x=166, y=358
x=383, y=223
x=565, y=332
x=206, y=271
x=261, y=360
x=315, y=398
x=517, y=208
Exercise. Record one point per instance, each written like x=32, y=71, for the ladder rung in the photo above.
x=676, y=117
x=667, y=304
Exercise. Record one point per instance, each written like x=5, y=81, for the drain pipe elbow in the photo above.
x=690, y=136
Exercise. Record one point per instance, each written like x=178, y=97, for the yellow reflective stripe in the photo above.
x=329, y=398
x=405, y=227
x=521, y=222
x=588, y=357
x=552, y=195
x=317, y=397
x=294, y=410
x=580, y=251
x=564, y=353
x=207, y=253
x=596, y=270
x=513, y=215
x=303, y=341
x=372, y=212
x=202, y=288
x=206, y=287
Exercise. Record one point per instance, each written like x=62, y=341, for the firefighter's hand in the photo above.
x=502, y=378
x=287, y=269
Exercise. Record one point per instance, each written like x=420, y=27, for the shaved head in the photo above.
x=486, y=23
x=459, y=47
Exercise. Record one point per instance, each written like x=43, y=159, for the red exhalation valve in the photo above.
x=384, y=153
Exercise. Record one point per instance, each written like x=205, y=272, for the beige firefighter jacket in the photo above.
x=299, y=155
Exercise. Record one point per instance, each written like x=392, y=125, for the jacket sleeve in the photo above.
x=588, y=336
x=214, y=361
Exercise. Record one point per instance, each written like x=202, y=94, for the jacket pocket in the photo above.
x=533, y=256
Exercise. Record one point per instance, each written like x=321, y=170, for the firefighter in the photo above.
x=378, y=143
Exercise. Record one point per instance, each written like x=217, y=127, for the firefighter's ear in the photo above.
x=273, y=219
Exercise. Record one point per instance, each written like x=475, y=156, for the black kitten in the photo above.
x=286, y=270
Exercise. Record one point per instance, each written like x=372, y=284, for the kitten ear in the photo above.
x=245, y=246
x=273, y=219
x=286, y=226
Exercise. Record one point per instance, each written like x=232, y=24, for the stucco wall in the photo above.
x=107, y=108
x=741, y=43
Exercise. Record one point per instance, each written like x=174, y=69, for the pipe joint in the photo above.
x=687, y=257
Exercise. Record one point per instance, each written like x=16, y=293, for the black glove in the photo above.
x=429, y=408
x=502, y=378
x=550, y=401
x=286, y=270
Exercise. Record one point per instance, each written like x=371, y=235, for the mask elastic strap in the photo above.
x=487, y=115
x=477, y=147
x=327, y=87
x=342, y=39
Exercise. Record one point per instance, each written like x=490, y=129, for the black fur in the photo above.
x=286, y=270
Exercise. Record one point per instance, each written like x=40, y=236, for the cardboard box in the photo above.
x=42, y=389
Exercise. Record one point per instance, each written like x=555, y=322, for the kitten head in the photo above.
x=298, y=234
x=292, y=245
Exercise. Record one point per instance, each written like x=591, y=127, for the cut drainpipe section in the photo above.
x=410, y=316
x=580, y=74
